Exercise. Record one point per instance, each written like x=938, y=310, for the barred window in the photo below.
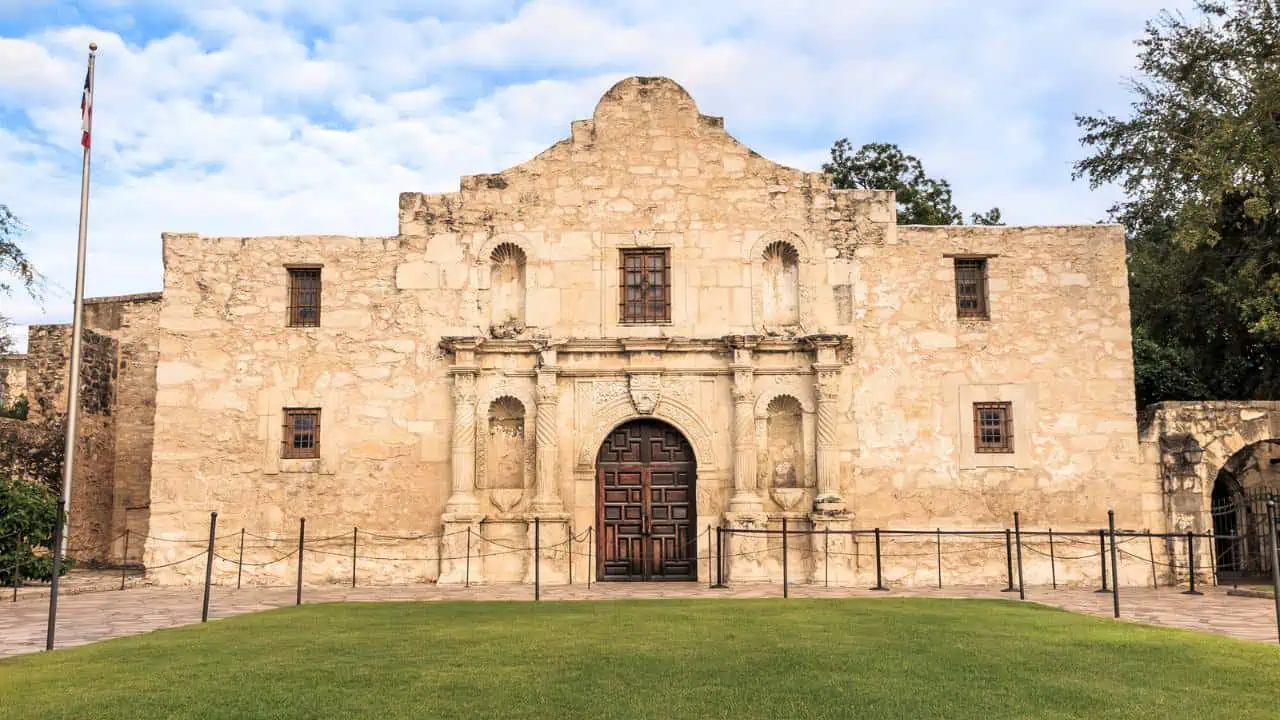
x=645, y=286
x=301, y=433
x=971, y=289
x=993, y=427
x=304, y=297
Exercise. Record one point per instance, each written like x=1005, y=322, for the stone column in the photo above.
x=462, y=499
x=745, y=498
x=827, y=389
x=462, y=511
x=546, y=497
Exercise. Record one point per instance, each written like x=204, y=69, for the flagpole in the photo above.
x=77, y=325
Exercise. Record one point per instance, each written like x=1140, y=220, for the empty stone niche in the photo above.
x=785, y=443
x=780, y=300
x=507, y=266
x=506, y=448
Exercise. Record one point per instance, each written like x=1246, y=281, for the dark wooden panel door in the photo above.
x=645, y=473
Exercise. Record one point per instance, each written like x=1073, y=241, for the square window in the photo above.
x=971, y=289
x=301, y=436
x=645, y=286
x=993, y=427
x=304, y=297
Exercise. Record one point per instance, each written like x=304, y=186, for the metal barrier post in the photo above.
x=17, y=566
x=570, y=543
x=719, y=557
x=938, y=545
x=1102, y=558
x=124, y=559
x=1008, y=560
x=591, y=568
x=208, y=567
x=711, y=578
x=1191, y=565
x=240, y=562
x=785, y=578
x=1017, y=533
x=537, y=561
x=1053, y=562
x=879, y=575
x=57, y=570
x=302, y=538
x=1275, y=560
x=826, y=556
x=467, y=577
x=355, y=542
x=1115, y=565
x=1151, y=551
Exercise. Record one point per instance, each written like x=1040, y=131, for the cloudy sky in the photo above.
x=258, y=117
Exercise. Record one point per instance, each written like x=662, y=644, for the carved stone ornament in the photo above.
x=645, y=391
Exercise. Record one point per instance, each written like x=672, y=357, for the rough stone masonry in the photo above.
x=645, y=331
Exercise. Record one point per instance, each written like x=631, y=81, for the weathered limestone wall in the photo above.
x=812, y=358
x=48, y=367
x=13, y=379
x=132, y=321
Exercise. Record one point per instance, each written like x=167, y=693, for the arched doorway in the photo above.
x=645, y=504
x=1245, y=483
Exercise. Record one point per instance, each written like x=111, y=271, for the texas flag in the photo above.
x=86, y=112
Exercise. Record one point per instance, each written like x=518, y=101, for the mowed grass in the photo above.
x=862, y=658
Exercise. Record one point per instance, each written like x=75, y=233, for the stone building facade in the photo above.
x=111, y=486
x=646, y=331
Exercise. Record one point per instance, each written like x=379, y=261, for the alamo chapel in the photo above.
x=644, y=332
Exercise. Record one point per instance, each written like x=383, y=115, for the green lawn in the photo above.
x=869, y=658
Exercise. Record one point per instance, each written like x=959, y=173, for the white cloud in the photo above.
x=285, y=116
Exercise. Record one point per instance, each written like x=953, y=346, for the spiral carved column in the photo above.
x=828, y=451
x=745, y=498
x=546, y=444
x=462, y=499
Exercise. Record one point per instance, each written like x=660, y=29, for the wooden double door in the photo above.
x=645, y=504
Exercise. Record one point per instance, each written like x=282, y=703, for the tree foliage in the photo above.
x=922, y=200
x=1198, y=159
x=28, y=517
x=14, y=266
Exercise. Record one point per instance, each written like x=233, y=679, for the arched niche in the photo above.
x=784, y=442
x=507, y=287
x=510, y=407
x=506, y=444
x=781, y=280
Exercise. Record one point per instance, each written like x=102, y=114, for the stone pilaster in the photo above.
x=548, y=540
x=460, y=560
x=826, y=372
x=546, y=496
x=835, y=558
x=746, y=499
x=462, y=498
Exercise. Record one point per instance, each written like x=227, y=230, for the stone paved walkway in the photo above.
x=91, y=616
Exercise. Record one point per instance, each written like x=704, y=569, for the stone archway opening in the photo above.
x=646, y=504
x=1244, y=485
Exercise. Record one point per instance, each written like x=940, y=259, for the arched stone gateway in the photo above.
x=646, y=478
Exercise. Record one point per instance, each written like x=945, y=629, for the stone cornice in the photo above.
x=757, y=343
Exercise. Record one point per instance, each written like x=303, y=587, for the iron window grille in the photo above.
x=301, y=437
x=304, y=297
x=993, y=427
x=645, y=286
x=971, y=289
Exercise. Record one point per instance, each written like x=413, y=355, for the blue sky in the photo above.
x=262, y=117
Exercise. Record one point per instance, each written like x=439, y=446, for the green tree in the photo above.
x=1198, y=158
x=28, y=516
x=922, y=200
x=14, y=265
